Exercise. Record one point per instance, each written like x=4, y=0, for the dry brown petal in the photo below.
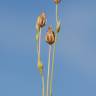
x=50, y=36
x=41, y=20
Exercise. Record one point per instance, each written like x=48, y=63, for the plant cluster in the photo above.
x=50, y=38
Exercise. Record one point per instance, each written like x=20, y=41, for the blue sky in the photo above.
x=75, y=62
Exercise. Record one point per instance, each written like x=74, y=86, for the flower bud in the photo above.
x=57, y=1
x=58, y=26
x=41, y=20
x=50, y=36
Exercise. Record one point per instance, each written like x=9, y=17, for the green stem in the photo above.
x=48, y=75
x=54, y=51
x=38, y=52
x=52, y=72
x=56, y=13
x=37, y=32
x=43, y=85
x=39, y=43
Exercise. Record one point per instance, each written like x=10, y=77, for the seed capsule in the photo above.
x=50, y=36
x=41, y=20
x=58, y=26
x=57, y=1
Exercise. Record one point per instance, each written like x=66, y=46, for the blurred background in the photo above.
x=75, y=61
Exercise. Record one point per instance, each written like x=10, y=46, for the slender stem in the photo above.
x=37, y=32
x=37, y=47
x=48, y=75
x=39, y=43
x=52, y=72
x=56, y=13
x=43, y=85
x=54, y=51
x=38, y=51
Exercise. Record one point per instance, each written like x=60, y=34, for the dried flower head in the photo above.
x=50, y=36
x=41, y=21
x=58, y=26
x=57, y=1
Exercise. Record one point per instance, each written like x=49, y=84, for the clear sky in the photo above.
x=75, y=62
